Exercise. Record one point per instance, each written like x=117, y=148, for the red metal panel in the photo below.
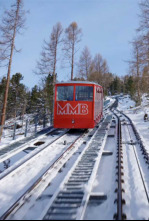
x=73, y=114
x=98, y=104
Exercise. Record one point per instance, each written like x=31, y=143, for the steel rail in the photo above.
x=6, y=173
x=144, y=151
x=11, y=209
x=120, y=209
x=137, y=160
x=16, y=204
x=23, y=142
x=71, y=198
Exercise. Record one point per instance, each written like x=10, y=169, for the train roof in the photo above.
x=79, y=82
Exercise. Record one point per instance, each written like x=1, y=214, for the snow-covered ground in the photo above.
x=22, y=178
x=108, y=101
x=8, y=131
x=105, y=180
x=136, y=206
x=137, y=115
x=7, y=138
x=105, y=183
x=125, y=103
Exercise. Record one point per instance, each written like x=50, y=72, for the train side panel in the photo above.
x=98, y=113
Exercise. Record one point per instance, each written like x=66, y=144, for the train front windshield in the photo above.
x=65, y=93
x=84, y=93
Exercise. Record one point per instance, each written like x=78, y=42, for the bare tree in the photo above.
x=12, y=23
x=72, y=38
x=145, y=80
x=84, y=65
x=49, y=55
x=2, y=56
x=144, y=32
x=106, y=76
x=100, y=72
x=136, y=65
x=144, y=16
x=53, y=46
x=98, y=63
x=99, y=66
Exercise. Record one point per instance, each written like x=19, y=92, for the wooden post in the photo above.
x=26, y=126
x=14, y=131
x=36, y=122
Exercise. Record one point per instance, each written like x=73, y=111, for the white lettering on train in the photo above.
x=80, y=109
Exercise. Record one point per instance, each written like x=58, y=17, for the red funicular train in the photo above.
x=78, y=105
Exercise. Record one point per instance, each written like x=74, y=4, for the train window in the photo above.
x=84, y=93
x=65, y=93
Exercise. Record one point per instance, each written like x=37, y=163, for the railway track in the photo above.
x=65, y=187
x=119, y=215
x=72, y=196
x=133, y=178
x=16, y=177
x=18, y=157
x=71, y=199
x=23, y=143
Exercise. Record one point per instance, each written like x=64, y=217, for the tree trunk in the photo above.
x=54, y=75
x=6, y=95
x=72, y=64
x=8, y=74
x=23, y=112
x=138, y=76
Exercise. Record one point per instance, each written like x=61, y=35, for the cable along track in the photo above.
x=70, y=201
x=120, y=201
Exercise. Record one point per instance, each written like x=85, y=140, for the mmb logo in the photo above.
x=80, y=109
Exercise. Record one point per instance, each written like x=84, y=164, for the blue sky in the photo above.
x=107, y=25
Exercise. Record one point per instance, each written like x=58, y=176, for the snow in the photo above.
x=38, y=201
x=7, y=138
x=136, y=200
x=125, y=103
x=8, y=131
x=136, y=206
x=105, y=183
x=108, y=102
x=137, y=115
x=19, y=155
x=16, y=183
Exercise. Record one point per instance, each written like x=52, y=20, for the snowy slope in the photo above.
x=137, y=115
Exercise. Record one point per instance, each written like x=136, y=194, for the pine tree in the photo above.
x=2, y=91
x=116, y=86
x=17, y=97
x=130, y=86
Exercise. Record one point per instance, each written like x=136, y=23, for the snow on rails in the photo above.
x=133, y=176
x=26, y=176
x=88, y=151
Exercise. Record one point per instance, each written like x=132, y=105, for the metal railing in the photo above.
x=30, y=125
